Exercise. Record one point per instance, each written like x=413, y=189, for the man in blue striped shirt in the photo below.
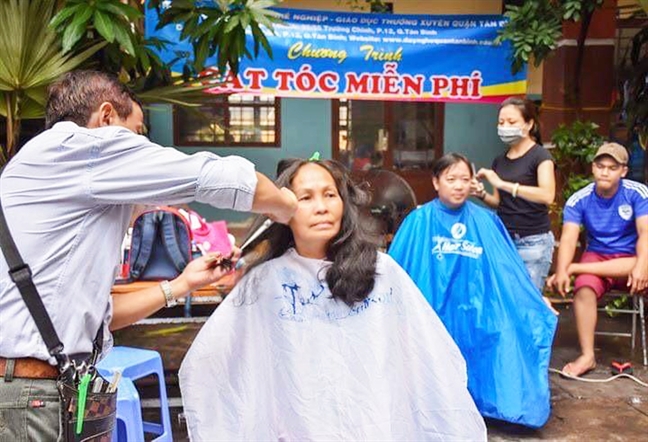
x=614, y=212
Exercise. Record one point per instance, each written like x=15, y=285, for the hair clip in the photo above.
x=315, y=156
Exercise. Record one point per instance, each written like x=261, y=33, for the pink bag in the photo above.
x=209, y=236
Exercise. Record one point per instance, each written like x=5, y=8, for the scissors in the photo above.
x=226, y=263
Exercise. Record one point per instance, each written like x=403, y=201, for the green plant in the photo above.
x=619, y=303
x=535, y=27
x=112, y=19
x=31, y=59
x=574, y=150
x=219, y=29
x=533, y=30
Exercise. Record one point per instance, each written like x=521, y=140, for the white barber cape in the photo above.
x=281, y=360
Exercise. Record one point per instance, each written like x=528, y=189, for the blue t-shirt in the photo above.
x=610, y=222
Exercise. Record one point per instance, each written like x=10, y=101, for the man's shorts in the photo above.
x=599, y=284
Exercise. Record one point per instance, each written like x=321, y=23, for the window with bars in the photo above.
x=230, y=120
x=400, y=135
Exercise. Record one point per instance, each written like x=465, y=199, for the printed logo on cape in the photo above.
x=455, y=245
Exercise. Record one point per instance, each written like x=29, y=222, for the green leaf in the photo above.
x=189, y=28
x=119, y=9
x=201, y=51
x=263, y=20
x=123, y=38
x=257, y=35
x=82, y=16
x=72, y=35
x=144, y=61
x=63, y=15
x=266, y=45
x=245, y=20
x=231, y=24
x=104, y=26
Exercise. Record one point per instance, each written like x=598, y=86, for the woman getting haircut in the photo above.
x=325, y=338
x=464, y=262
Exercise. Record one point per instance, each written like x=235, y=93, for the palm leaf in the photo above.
x=32, y=57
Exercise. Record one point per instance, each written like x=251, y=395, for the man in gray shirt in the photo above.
x=68, y=196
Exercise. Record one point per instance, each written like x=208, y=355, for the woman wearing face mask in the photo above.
x=461, y=258
x=524, y=186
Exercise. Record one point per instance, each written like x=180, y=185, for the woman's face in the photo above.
x=510, y=116
x=453, y=186
x=319, y=210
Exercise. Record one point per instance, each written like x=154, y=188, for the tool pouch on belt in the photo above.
x=88, y=405
x=98, y=414
x=88, y=401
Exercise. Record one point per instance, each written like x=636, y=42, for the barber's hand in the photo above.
x=206, y=270
x=638, y=278
x=476, y=188
x=561, y=282
x=491, y=176
x=285, y=214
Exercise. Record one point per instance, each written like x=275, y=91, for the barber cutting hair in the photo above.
x=68, y=196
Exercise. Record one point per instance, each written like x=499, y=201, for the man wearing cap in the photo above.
x=614, y=212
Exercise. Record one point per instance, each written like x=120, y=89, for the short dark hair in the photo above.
x=77, y=94
x=529, y=112
x=351, y=276
x=448, y=160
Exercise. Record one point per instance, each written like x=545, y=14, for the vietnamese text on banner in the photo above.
x=371, y=56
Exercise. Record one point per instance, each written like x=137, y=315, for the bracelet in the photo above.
x=168, y=294
x=515, y=190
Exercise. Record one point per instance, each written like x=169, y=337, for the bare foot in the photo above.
x=548, y=302
x=582, y=365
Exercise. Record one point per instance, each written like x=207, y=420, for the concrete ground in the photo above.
x=612, y=411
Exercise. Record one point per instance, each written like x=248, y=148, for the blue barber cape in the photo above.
x=468, y=268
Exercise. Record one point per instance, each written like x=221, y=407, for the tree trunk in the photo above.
x=10, y=125
x=13, y=127
x=580, y=53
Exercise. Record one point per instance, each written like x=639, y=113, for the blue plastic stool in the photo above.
x=129, y=427
x=136, y=363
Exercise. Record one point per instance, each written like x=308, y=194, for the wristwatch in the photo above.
x=168, y=293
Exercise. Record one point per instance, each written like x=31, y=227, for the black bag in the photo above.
x=160, y=245
x=99, y=408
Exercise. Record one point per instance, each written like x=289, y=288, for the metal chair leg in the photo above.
x=633, y=338
x=642, y=320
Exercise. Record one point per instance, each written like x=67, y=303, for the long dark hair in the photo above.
x=351, y=276
x=529, y=112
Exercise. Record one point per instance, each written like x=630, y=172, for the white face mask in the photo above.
x=510, y=134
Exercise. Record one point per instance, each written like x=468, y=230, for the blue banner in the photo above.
x=370, y=56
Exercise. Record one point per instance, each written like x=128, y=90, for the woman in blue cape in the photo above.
x=463, y=260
